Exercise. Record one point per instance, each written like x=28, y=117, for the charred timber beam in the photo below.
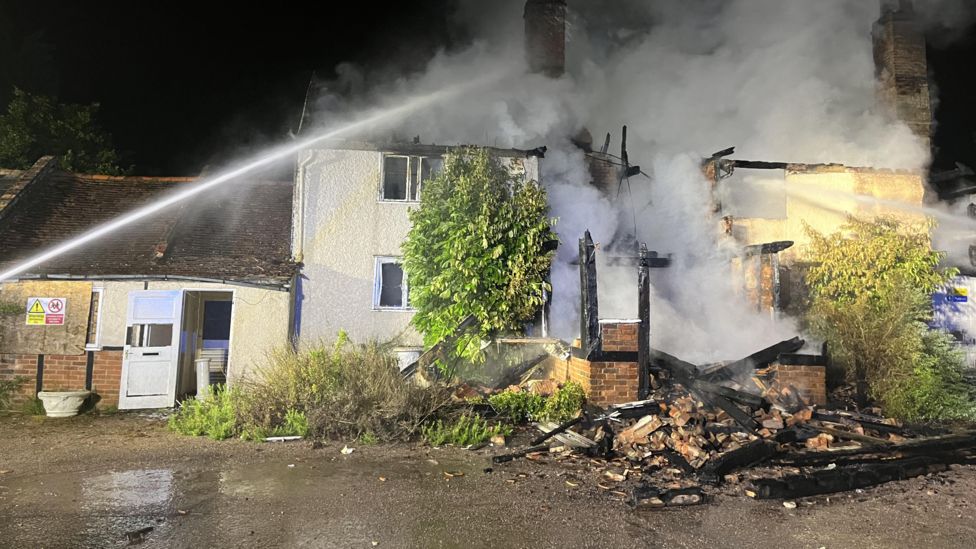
x=796, y=359
x=839, y=433
x=751, y=454
x=437, y=350
x=758, y=165
x=758, y=358
x=741, y=397
x=644, y=335
x=767, y=248
x=558, y=430
x=947, y=446
x=589, y=306
x=653, y=261
x=842, y=479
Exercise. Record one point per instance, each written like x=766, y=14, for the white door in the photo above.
x=152, y=350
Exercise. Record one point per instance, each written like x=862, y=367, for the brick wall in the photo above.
x=810, y=381
x=107, y=377
x=65, y=373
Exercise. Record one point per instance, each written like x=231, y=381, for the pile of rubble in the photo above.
x=697, y=431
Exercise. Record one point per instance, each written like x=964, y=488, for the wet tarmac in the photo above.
x=120, y=481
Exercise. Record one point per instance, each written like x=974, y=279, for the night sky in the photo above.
x=182, y=84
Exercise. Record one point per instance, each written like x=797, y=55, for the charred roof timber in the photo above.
x=545, y=36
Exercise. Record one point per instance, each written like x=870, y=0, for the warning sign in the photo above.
x=46, y=311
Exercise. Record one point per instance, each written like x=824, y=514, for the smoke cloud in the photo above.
x=782, y=80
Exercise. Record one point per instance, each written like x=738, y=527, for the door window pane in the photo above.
x=149, y=335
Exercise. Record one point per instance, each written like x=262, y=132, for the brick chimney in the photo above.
x=901, y=67
x=545, y=36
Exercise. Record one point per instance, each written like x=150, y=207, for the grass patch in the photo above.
x=521, y=406
x=469, y=428
x=7, y=389
x=33, y=407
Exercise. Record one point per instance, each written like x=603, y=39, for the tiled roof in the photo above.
x=238, y=232
x=8, y=178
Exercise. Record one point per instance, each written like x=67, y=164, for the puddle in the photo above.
x=139, y=489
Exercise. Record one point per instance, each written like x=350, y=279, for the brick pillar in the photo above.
x=608, y=382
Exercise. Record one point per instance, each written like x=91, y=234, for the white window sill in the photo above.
x=397, y=201
x=92, y=348
x=394, y=309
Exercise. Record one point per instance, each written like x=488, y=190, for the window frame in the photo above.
x=415, y=167
x=97, y=344
x=378, y=263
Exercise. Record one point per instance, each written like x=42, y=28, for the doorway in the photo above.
x=206, y=335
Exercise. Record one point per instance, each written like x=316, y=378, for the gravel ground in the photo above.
x=96, y=481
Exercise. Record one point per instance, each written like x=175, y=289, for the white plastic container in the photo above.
x=203, y=378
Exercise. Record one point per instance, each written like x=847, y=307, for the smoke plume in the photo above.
x=782, y=80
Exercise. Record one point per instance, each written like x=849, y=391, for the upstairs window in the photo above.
x=403, y=176
x=390, y=289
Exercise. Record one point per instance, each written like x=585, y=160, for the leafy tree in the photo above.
x=36, y=125
x=476, y=248
x=871, y=288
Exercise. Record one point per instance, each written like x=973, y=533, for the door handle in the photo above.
x=151, y=354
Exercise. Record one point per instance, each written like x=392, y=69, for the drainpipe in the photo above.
x=298, y=209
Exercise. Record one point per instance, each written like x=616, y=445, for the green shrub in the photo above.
x=214, y=416
x=477, y=247
x=565, y=403
x=870, y=290
x=523, y=406
x=343, y=392
x=469, y=428
x=518, y=407
x=931, y=388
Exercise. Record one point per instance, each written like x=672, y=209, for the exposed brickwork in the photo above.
x=545, y=36
x=23, y=366
x=65, y=373
x=810, y=381
x=902, y=68
x=107, y=377
x=620, y=336
x=612, y=382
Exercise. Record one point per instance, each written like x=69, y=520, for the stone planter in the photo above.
x=62, y=403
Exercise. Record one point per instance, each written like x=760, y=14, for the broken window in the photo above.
x=403, y=176
x=92, y=339
x=149, y=335
x=390, y=289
